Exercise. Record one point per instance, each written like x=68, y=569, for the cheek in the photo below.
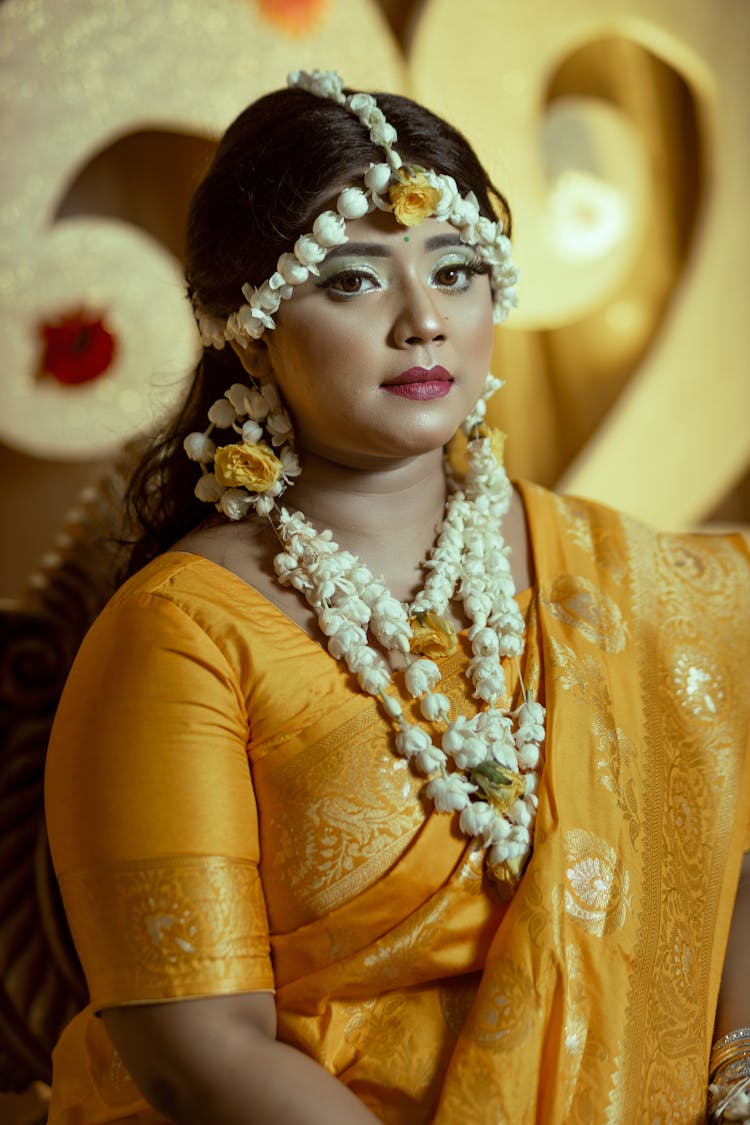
x=305, y=366
x=289, y=352
x=474, y=318
x=481, y=334
x=328, y=350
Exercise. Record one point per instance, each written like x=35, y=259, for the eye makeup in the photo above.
x=350, y=272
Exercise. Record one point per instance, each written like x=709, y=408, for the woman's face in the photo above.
x=384, y=354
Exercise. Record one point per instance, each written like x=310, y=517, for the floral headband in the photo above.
x=412, y=194
x=249, y=475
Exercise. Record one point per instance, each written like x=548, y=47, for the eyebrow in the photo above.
x=380, y=250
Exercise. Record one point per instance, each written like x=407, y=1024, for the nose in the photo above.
x=418, y=320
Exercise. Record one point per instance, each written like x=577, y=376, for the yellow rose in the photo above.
x=507, y=874
x=501, y=787
x=413, y=200
x=255, y=467
x=432, y=635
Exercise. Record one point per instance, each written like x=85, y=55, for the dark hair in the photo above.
x=274, y=168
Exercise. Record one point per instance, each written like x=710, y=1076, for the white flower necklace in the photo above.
x=493, y=757
x=496, y=754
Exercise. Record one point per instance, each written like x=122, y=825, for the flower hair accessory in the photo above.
x=411, y=194
x=248, y=474
x=483, y=769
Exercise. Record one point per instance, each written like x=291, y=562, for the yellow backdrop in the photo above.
x=617, y=128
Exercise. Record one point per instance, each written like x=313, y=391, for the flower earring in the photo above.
x=476, y=416
x=248, y=474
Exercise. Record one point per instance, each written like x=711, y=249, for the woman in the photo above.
x=418, y=904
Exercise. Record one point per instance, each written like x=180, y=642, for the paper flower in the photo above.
x=78, y=347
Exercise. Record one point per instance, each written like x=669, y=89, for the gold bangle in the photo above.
x=735, y=1045
x=732, y=1069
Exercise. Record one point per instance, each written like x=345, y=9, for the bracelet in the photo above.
x=732, y=1070
x=734, y=1045
x=729, y=1071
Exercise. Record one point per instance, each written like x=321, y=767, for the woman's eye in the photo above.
x=349, y=283
x=455, y=275
x=451, y=276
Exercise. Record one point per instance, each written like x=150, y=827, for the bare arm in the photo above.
x=734, y=997
x=217, y=1059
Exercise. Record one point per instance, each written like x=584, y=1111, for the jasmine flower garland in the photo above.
x=485, y=768
x=247, y=475
x=410, y=194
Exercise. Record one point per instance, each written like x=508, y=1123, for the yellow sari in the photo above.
x=320, y=872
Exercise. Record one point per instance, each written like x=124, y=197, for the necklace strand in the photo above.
x=485, y=768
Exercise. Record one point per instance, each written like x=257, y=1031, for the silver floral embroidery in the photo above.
x=597, y=886
x=699, y=684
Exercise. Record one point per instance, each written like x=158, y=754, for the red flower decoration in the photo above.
x=297, y=17
x=77, y=348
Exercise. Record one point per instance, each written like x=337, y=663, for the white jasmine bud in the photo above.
x=450, y=794
x=221, y=413
x=209, y=489
x=435, y=707
x=199, y=447
x=234, y=503
x=330, y=229
x=352, y=203
x=422, y=675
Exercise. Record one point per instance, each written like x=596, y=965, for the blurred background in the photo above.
x=618, y=129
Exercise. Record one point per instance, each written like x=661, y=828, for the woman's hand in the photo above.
x=217, y=1059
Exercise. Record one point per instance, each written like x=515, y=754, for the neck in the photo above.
x=389, y=517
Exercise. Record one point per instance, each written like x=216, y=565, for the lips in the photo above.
x=421, y=375
x=421, y=383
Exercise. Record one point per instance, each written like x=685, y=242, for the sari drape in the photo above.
x=321, y=872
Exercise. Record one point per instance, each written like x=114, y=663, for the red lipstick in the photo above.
x=421, y=383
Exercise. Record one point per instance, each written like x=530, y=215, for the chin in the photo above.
x=424, y=443
x=436, y=434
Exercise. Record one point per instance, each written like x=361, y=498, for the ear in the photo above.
x=254, y=358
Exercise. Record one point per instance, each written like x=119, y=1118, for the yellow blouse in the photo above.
x=318, y=870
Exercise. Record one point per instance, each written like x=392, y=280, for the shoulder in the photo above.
x=578, y=523
x=564, y=512
x=179, y=603
x=580, y=544
x=176, y=583
x=570, y=534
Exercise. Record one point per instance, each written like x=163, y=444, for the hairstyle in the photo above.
x=274, y=169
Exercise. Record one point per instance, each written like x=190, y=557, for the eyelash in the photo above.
x=330, y=283
x=471, y=269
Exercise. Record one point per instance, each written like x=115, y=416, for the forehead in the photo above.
x=380, y=232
